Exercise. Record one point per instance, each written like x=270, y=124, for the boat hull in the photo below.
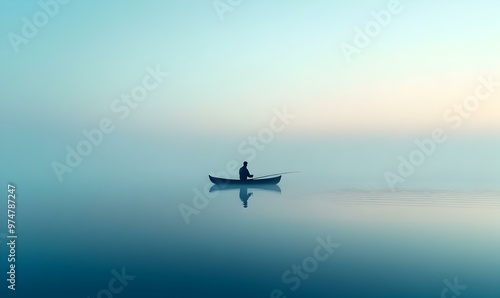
x=223, y=181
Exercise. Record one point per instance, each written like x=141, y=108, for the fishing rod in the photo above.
x=276, y=174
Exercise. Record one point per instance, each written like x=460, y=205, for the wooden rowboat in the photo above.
x=224, y=181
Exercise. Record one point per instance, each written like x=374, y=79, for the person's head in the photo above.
x=245, y=163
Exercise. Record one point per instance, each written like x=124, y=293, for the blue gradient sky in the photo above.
x=227, y=76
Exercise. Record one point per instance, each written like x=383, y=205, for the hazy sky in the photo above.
x=226, y=76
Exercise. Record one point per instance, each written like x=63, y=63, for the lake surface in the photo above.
x=118, y=214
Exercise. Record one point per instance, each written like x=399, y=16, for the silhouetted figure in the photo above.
x=244, y=173
x=244, y=196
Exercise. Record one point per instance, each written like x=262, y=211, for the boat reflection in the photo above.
x=244, y=194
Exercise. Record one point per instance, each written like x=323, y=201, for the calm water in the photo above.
x=350, y=235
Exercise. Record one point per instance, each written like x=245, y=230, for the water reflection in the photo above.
x=431, y=198
x=244, y=194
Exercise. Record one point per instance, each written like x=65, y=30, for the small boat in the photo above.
x=224, y=181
